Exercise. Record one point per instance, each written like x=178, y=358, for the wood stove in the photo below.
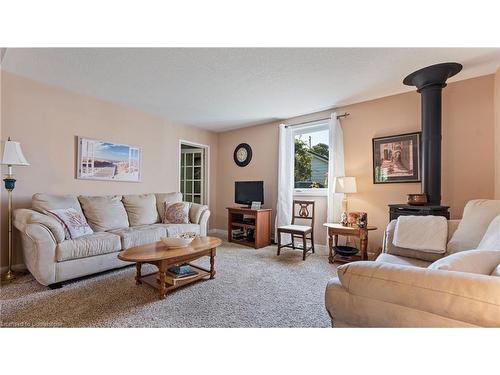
x=429, y=82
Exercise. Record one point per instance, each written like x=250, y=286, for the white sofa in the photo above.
x=118, y=222
x=401, y=288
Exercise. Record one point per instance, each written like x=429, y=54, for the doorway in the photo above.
x=193, y=172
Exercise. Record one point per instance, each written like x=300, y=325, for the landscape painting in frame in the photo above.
x=103, y=160
x=396, y=158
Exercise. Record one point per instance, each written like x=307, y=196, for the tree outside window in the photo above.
x=311, y=159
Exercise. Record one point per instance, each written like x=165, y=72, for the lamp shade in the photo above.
x=12, y=154
x=345, y=185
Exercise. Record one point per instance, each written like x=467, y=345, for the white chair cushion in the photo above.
x=141, y=209
x=478, y=214
x=491, y=239
x=87, y=246
x=472, y=261
x=104, y=213
x=295, y=227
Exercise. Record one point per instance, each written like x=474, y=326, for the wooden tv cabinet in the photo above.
x=262, y=226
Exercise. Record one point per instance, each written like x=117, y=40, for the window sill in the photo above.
x=310, y=192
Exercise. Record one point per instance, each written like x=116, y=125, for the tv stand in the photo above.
x=261, y=228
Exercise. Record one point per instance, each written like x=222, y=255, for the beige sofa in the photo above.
x=118, y=222
x=399, y=290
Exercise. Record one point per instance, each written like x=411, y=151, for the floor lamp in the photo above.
x=12, y=156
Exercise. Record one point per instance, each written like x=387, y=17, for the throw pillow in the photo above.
x=176, y=213
x=496, y=271
x=491, y=239
x=104, y=212
x=478, y=214
x=471, y=261
x=162, y=198
x=74, y=223
x=141, y=209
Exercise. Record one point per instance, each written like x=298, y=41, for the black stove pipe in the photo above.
x=429, y=82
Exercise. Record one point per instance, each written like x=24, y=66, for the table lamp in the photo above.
x=345, y=185
x=12, y=156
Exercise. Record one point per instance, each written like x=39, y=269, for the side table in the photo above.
x=335, y=230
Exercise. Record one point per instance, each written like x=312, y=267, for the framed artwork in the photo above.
x=108, y=161
x=396, y=158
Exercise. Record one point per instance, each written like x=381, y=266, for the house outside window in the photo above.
x=311, y=159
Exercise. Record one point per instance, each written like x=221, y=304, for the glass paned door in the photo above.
x=192, y=175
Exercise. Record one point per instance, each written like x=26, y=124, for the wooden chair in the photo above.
x=300, y=231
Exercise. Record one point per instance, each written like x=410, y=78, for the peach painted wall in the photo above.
x=46, y=120
x=468, y=153
x=497, y=134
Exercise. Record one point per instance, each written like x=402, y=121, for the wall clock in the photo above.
x=242, y=154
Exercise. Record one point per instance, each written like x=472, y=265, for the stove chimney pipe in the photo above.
x=429, y=82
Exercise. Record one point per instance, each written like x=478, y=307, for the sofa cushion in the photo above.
x=141, y=209
x=477, y=216
x=176, y=213
x=473, y=261
x=176, y=229
x=74, y=222
x=104, y=213
x=44, y=202
x=162, y=198
x=135, y=236
x=87, y=246
x=491, y=239
x=496, y=271
x=404, y=261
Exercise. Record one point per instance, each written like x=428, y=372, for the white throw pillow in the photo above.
x=176, y=213
x=491, y=239
x=141, y=209
x=74, y=223
x=478, y=214
x=104, y=213
x=472, y=261
x=496, y=271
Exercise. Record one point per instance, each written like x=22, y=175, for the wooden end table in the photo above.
x=335, y=230
x=158, y=254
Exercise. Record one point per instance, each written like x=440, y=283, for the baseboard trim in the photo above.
x=15, y=267
x=223, y=232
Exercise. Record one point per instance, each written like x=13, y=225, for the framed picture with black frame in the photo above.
x=396, y=158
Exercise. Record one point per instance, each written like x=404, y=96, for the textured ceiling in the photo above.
x=225, y=88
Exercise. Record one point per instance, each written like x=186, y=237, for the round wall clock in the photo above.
x=242, y=154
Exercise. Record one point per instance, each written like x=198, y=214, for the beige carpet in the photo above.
x=252, y=288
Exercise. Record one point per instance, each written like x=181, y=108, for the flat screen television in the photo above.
x=246, y=192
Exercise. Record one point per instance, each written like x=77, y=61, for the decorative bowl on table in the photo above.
x=181, y=240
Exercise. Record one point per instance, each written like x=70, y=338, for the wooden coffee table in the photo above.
x=158, y=254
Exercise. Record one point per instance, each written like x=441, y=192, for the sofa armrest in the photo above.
x=389, y=248
x=195, y=212
x=23, y=217
x=470, y=298
x=39, y=252
x=204, y=222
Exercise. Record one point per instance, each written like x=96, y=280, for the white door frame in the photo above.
x=207, y=166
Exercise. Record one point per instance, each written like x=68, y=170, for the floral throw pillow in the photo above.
x=176, y=213
x=74, y=223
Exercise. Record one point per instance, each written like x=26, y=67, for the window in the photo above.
x=311, y=159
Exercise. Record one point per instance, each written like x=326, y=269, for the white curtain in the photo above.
x=335, y=169
x=286, y=162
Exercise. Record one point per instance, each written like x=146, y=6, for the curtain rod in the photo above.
x=320, y=119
